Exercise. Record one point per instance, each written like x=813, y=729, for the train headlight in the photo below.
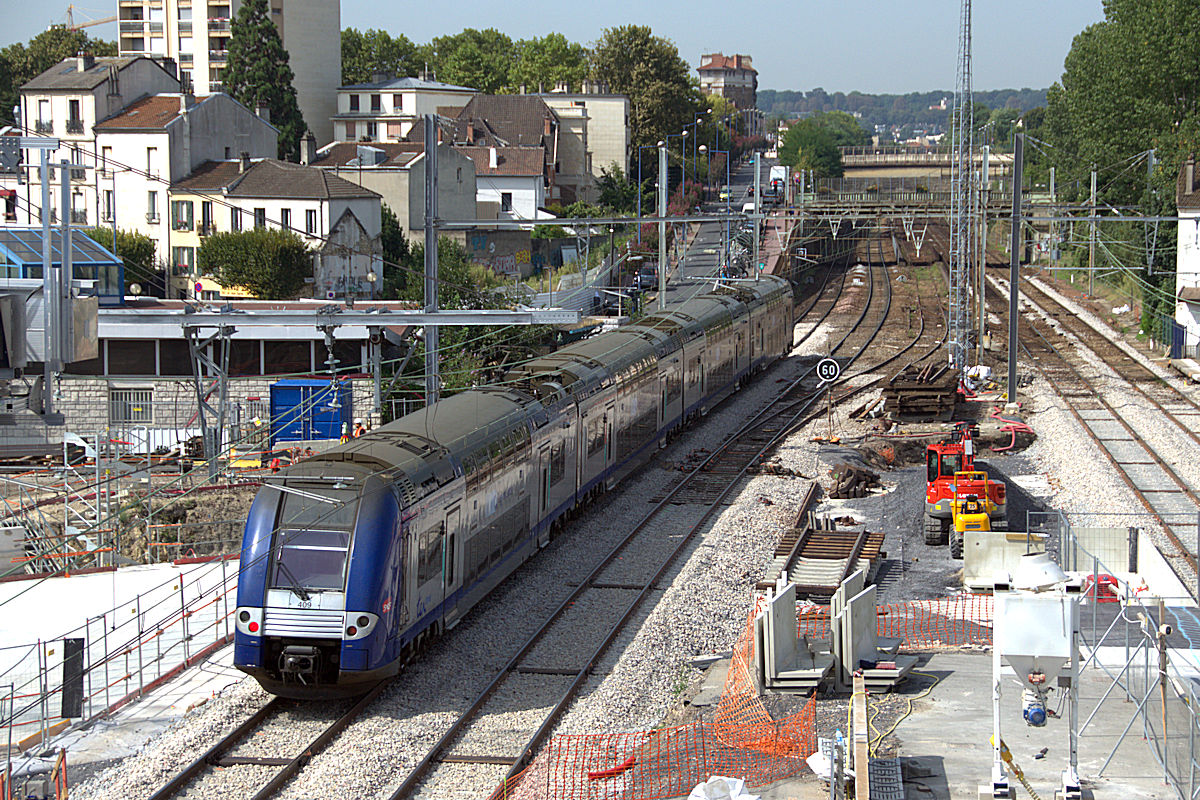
x=358, y=625
x=249, y=620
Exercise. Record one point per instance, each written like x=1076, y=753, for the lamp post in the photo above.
x=703, y=150
x=725, y=242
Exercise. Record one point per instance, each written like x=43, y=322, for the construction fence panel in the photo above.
x=127, y=650
x=920, y=624
x=742, y=741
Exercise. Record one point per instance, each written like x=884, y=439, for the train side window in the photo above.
x=450, y=560
x=429, y=557
x=595, y=437
x=558, y=462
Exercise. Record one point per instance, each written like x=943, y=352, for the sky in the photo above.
x=839, y=45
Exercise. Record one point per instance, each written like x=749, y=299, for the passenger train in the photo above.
x=352, y=559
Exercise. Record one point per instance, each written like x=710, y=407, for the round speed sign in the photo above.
x=828, y=369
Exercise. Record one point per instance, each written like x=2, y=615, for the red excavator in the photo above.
x=942, y=461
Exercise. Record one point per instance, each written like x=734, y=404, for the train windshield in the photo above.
x=313, y=540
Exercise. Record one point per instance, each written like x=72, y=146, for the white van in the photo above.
x=748, y=208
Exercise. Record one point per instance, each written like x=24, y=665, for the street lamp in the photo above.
x=728, y=194
x=703, y=150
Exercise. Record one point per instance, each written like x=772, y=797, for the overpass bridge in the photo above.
x=912, y=162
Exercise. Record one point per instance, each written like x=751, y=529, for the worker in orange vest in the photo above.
x=359, y=430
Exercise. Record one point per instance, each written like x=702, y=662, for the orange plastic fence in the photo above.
x=742, y=741
x=922, y=624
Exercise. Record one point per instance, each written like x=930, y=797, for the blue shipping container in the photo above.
x=303, y=409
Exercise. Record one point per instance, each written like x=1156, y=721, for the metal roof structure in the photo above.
x=22, y=247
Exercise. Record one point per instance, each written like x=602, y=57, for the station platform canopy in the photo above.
x=97, y=270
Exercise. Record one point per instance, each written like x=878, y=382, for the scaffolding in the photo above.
x=963, y=200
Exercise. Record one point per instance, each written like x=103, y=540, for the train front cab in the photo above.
x=315, y=610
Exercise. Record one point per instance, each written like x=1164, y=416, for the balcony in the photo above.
x=74, y=126
x=217, y=55
x=156, y=27
x=133, y=26
x=185, y=27
x=78, y=175
x=106, y=216
x=79, y=216
x=216, y=86
x=152, y=217
x=185, y=58
x=44, y=126
x=206, y=228
x=218, y=24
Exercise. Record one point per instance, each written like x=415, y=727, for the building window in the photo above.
x=44, y=123
x=184, y=260
x=235, y=219
x=152, y=207
x=10, y=208
x=151, y=158
x=376, y=104
x=206, y=218
x=397, y=103
x=395, y=130
x=350, y=131
x=260, y=218
x=285, y=218
x=310, y=220
x=105, y=160
x=372, y=131
x=506, y=201
x=181, y=215
x=130, y=406
x=354, y=102
x=106, y=213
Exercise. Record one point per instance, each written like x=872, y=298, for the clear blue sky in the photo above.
x=840, y=45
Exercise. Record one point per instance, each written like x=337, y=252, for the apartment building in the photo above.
x=159, y=140
x=339, y=220
x=387, y=109
x=732, y=77
x=66, y=101
x=605, y=129
x=196, y=35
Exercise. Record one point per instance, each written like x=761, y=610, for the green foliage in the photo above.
x=479, y=59
x=617, y=192
x=395, y=245
x=463, y=284
x=844, y=128
x=269, y=263
x=135, y=249
x=541, y=63
x=374, y=51
x=809, y=144
x=912, y=109
x=20, y=63
x=258, y=73
x=663, y=97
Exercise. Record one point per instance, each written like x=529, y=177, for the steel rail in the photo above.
x=769, y=413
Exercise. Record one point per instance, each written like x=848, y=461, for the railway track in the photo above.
x=228, y=751
x=616, y=588
x=1170, y=499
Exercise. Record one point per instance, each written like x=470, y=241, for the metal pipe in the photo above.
x=662, y=225
x=431, y=260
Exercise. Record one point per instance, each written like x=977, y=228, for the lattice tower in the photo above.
x=963, y=199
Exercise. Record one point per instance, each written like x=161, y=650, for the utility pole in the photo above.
x=758, y=209
x=432, y=379
x=662, y=225
x=1014, y=269
x=982, y=291
x=1053, y=227
x=1092, y=237
x=48, y=292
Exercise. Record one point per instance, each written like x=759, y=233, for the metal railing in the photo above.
x=44, y=126
x=79, y=216
x=74, y=126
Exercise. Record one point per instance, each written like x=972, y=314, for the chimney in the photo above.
x=522, y=88
x=263, y=112
x=380, y=76
x=245, y=163
x=84, y=61
x=308, y=148
x=493, y=158
x=1189, y=176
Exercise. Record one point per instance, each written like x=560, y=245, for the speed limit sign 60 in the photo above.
x=828, y=370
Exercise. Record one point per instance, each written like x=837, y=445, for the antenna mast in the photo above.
x=963, y=201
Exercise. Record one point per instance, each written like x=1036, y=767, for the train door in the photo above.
x=543, y=499
x=610, y=417
x=452, y=567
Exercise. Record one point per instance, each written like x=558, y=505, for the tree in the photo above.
x=478, y=59
x=542, y=63
x=617, y=192
x=258, y=74
x=373, y=51
x=809, y=145
x=844, y=128
x=663, y=97
x=136, y=251
x=269, y=263
x=21, y=63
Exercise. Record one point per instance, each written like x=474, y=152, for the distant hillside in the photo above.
x=891, y=109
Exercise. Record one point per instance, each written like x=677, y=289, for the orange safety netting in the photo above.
x=921, y=624
x=742, y=741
